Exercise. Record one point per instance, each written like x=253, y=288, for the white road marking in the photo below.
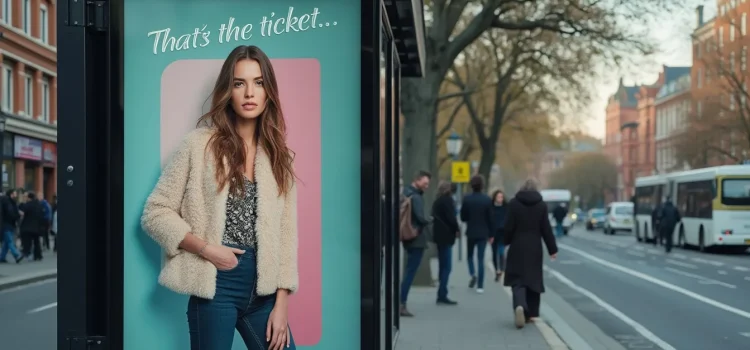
x=42, y=308
x=680, y=263
x=617, y=313
x=710, y=262
x=740, y=268
x=701, y=279
x=638, y=254
x=570, y=262
x=659, y=282
x=745, y=334
x=721, y=272
x=747, y=278
x=654, y=252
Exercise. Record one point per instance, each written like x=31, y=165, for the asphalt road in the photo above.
x=647, y=299
x=28, y=317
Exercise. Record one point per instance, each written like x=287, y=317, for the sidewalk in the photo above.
x=479, y=321
x=28, y=271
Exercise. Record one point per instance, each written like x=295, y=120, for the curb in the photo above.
x=549, y=334
x=12, y=282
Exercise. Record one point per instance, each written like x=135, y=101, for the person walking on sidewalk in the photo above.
x=10, y=215
x=476, y=212
x=414, y=247
x=33, y=224
x=559, y=214
x=496, y=240
x=527, y=224
x=445, y=230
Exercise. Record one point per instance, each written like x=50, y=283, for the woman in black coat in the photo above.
x=499, y=211
x=526, y=226
x=445, y=230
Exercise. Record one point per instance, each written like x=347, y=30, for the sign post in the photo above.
x=460, y=174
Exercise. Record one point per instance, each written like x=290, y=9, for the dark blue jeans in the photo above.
x=445, y=264
x=9, y=243
x=235, y=306
x=481, y=245
x=413, y=260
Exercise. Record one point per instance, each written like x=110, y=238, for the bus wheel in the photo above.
x=701, y=242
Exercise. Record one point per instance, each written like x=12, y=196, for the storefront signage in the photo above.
x=49, y=152
x=171, y=64
x=27, y=148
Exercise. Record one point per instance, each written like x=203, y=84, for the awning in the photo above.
x=406, y=18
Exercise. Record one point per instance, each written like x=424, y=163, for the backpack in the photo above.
x=406, y=231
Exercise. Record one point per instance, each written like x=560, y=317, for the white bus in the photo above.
x=553, y=198
x=649, y=193
x=714, y=204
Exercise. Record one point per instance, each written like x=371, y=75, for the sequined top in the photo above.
x=242, y=213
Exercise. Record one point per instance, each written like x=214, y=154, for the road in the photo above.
x=28, y=316
x=647, y=299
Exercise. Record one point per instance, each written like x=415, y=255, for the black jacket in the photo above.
x=445, y=224
x=33, y=221
x=476, y=212
x=9, y=211
x=527, y=225
x=499, y=213
x=669, y=216
x=559, y=213
x=418, y=218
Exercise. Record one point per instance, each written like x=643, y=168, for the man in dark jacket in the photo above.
x=668, y=219
x=32, y=225
x=10, y=215
x=476, y=212
x=415, y=247
x=559, y=214
x=445, y=229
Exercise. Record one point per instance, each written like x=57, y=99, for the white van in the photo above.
x=553, y=198
x=619, y=217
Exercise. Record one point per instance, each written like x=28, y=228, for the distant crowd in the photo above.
x=28, y=218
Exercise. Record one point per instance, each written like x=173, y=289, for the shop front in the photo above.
x=150, y=75
x=32, y=166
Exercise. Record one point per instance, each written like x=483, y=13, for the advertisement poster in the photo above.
x=174, y=50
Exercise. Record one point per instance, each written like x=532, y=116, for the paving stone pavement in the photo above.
x=479, y=321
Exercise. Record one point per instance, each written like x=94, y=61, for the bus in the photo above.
x=714, y=204
x=553, y=198
x=649, y=193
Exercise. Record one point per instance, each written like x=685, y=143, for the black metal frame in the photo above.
x=395, y=175
x=90, y=178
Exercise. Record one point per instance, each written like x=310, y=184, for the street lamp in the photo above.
x=453, y=144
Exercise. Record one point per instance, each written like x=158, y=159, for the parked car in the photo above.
x=595, y=219
x=619, y=217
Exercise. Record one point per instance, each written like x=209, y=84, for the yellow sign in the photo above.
x=460, y=172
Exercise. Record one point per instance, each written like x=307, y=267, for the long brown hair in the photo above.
x=270, y=133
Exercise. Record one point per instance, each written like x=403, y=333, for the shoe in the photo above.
x=446, y=301
x=497, y=276
x=404, y=312
x=480, y=290
x=19, y=259
x=520, y=317
x=472, y=282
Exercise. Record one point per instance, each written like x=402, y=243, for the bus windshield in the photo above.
x=735, y=191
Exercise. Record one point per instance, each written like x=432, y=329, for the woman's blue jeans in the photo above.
x=236, y=305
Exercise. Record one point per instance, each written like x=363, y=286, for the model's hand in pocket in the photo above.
x=224, y=258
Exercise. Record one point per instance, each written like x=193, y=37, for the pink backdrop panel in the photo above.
x=185, y=95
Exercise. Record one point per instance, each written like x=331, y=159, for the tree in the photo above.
x=588, y=175
x=614, y=28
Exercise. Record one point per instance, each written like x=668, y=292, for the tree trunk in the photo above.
x=419, y=106
x=487, y=160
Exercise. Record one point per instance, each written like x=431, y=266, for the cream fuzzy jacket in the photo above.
x=186, y=199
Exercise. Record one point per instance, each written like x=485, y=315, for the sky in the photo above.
x=672, y=33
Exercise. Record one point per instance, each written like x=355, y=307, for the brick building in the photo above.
x=28, y=95
x=622, y=112
x=672, y=105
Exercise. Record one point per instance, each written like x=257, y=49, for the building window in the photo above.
x=743, y=28
x=45, y=101
x=731, y=30
x=7, y=105
x=731, y=102
x=721, y=36
x=731, y=61
x=7, y=11
x=43, y=23
x=699, y=78
x=28, y=90
x=699, y=108
x=743, y=59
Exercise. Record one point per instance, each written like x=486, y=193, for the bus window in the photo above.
x=735, y=191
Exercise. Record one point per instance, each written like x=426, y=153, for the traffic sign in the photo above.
x=460, y=172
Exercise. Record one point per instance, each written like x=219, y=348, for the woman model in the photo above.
x=526, y=226
x=499, y=210
x=224, y=211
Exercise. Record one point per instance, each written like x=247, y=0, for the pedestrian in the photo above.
x=416, y=246
x=668, y=219
x=53, y=228
x=499, y=211
x=655, y=213
x=559, y=214
x=225, y=212
x=476, y=212
x=445, y=231
x=32, y=226
x=526, y=226
x=48, y=220
x=10, y=215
